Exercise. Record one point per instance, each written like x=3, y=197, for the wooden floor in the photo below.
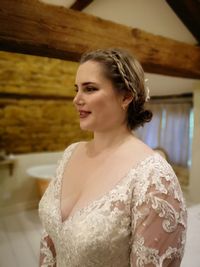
x=20, y=239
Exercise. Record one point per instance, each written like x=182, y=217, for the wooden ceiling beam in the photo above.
x=79, y=5
x=32, y=27
x=189, y=13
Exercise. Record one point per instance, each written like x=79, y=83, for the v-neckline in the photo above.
x=102, y=196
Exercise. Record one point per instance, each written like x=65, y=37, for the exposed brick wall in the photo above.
x=32, y=75
x=36, y=110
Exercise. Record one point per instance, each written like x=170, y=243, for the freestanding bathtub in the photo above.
x=42, y=175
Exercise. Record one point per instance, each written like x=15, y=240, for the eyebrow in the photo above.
x=86, y=83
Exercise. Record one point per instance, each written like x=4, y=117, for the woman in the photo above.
x=114, y=202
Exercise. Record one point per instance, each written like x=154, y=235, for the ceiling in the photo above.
x=189, y=13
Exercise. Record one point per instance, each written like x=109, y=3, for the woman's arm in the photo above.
x=47, y=251
x=158, y=225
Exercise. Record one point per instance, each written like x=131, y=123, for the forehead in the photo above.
x=90, y=70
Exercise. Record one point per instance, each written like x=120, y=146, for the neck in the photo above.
x=108, y=140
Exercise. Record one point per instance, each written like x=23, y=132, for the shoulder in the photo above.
x=66, y=154
x=156, y=176
x=70, y=148
x=156, y=165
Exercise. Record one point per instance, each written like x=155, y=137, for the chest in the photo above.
x=102, y=228
x=85, y=183
x=110, y=207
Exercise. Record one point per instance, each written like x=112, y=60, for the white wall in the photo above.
x=154, y=16
x=194, y=188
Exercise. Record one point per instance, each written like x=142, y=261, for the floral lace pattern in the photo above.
x=140, y=222
x=47, y=251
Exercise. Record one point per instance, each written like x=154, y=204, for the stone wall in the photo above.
x=36, y=110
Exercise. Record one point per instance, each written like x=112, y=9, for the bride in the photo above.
x=114, y=202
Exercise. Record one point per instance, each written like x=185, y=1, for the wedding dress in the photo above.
x=141, y=221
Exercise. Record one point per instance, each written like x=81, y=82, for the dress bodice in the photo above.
x=141, y=220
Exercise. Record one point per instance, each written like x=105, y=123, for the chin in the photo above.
x=86, y=127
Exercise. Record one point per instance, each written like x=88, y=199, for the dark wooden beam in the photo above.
x=81, y=4
x=189, y=13
x=32, y=27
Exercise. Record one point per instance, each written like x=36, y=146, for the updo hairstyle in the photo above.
x=126, y=75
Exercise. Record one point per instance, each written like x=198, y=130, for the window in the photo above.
x=171, y=129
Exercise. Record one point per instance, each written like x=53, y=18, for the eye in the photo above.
x=75, y=88
x=90, y=89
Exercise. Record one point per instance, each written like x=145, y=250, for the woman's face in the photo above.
x=98, y=104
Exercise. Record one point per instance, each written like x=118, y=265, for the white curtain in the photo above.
x=150, y=132
x=169, y=129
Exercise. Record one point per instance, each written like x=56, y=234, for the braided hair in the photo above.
x=126, y=75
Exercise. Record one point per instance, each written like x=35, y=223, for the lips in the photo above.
x=83, y=113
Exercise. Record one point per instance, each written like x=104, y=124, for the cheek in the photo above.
x=106, y=110
x=101, y=105
x=104, y=104
x=98, y=101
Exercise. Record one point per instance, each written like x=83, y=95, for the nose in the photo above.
x=78, y=99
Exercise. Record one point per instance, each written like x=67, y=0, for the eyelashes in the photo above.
x=88, y=89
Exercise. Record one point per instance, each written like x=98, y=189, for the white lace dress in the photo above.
x=140, y=222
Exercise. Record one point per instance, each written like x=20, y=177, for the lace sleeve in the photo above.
x=47, y=251
x=158, y=223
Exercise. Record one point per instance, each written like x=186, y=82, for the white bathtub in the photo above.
x=42, y=175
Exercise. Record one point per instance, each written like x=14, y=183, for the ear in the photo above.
x=126, y=100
